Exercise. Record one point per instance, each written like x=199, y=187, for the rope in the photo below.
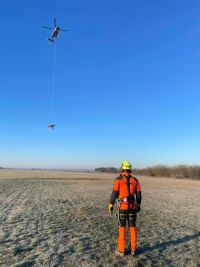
x=53, y=85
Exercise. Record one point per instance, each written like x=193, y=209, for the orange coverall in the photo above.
x=127, y=191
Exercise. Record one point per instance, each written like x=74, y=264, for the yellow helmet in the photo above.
x=126, y=165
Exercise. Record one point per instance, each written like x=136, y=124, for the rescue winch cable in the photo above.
x=53, y=86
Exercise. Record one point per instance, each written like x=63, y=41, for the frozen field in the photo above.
x=61, y=219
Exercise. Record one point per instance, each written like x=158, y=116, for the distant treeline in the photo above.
x=179, y=171
x=107, y=169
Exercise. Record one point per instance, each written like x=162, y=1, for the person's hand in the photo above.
x=110, y=208
x=138, y=208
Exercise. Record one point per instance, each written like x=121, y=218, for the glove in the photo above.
x=138, y=208
x=110, y=207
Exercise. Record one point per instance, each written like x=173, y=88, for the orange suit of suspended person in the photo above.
x=52, y=126
x=127, y=192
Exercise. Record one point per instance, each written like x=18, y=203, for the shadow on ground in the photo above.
x=162, y=246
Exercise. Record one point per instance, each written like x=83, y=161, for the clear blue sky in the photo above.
x=127, y=83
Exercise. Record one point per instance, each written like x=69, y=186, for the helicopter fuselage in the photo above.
x=55, y=32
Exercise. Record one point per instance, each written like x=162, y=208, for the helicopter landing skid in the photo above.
x=51, y=40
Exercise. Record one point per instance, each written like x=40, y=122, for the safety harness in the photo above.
x=126, y=200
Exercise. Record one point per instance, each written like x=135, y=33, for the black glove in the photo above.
x=138, y=208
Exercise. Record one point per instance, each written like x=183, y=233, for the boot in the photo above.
x=118, y=253
x=133, y=253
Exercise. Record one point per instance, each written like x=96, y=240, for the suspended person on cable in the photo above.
x=127, y=192
x=52, y=126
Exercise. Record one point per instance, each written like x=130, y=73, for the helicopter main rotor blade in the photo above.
x=54, y=22
x=64, y=30
x=47, y=27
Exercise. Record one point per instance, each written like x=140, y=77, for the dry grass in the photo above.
x=61, y=219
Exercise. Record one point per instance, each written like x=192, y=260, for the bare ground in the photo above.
x=61, y=219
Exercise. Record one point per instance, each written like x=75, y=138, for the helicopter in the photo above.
x=55, y=32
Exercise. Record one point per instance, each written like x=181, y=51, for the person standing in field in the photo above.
x=127, y=193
